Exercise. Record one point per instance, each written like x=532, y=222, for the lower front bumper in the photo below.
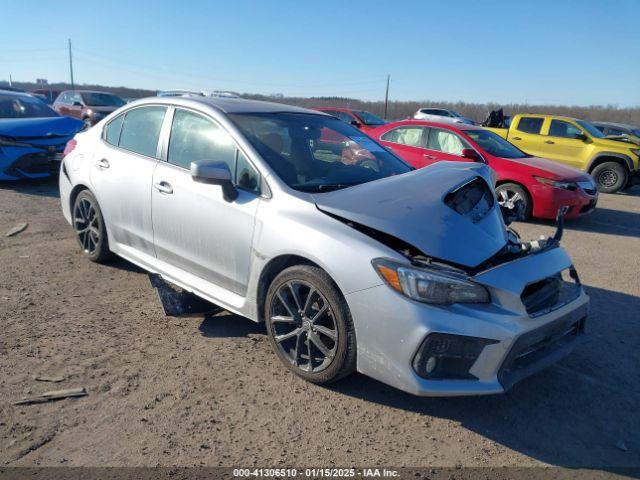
x=31, y=166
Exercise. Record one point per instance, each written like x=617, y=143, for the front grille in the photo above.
x=38, y=162
x=590, y=206
x=550, y=293
x=541, y=348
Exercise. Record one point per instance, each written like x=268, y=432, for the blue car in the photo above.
x=32, y=136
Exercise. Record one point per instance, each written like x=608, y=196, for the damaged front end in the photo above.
x=462, y=229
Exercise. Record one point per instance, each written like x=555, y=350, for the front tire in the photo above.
x=610, y=177
x=514, y=196
x=90, y=229
x=309, y=325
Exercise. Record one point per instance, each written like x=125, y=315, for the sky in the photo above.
x=529, y=51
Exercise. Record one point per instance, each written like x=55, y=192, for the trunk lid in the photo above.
x=433, y=209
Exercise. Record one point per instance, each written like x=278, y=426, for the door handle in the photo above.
x=516, y=138
x=549, y=142
x=102, y=163
x=163, y=187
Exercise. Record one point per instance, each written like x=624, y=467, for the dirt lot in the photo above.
x=209, y=391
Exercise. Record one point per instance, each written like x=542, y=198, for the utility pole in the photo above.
x=71, y=66
x=386, y=97
x=10, y=81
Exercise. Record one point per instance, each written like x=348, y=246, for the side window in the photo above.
x=445, y=142
x=245, y=175
x=141, y=130
x=112, y=130
x=615, y=131
x=345, y=117
x=63, y=98
x=412, y=136
x=75, y=98
x=530, y=124
x=562, y=129
x=194, y=137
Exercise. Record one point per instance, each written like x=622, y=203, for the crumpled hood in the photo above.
x=411, y=207
x=39, y=127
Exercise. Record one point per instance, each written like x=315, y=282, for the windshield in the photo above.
x=369, y=118
x=317, y=153
x=494, y=144
x=636, y=132
x=455, y=114
x=96, y=99
x=23, y=106
x=591, y=129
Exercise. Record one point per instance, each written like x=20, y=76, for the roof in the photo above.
x=232, y=105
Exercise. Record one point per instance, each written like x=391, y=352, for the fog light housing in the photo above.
x=443, y=356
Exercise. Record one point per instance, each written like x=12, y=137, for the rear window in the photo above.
x=530, y=124
x=141, y=130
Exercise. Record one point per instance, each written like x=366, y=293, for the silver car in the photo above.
x=353, y=259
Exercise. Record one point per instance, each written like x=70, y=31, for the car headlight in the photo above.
x=556, y=184
x=429, y=285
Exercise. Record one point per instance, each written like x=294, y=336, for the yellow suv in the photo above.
x=613, y=164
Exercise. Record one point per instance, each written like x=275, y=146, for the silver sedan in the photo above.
x=353, y=259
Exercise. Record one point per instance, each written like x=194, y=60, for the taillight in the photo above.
x=69, y=147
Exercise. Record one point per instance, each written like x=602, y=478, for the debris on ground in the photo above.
x=53, y=395
x=21, y=227
x=47, y=378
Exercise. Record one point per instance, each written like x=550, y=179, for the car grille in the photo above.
x=542, y=347
x=34, y=163
x=549, y=294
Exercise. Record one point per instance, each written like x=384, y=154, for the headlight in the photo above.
x=429, y=285
x=556, y=184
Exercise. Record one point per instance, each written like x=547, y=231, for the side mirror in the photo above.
x=471, y=154
x=215, y=173
x=581, y=136
x=77, y=104
x=355, y=123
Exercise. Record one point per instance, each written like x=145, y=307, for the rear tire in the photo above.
x=511, y=194
x=90, y=229
x=610, y=177
x=309, y=325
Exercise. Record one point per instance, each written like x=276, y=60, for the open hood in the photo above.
x=437, y=210
x=44, y=127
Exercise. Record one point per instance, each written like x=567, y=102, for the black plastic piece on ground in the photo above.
x=176, y=303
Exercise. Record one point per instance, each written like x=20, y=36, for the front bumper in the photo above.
x=18, y=163
x=390, y=329
x=547, y=200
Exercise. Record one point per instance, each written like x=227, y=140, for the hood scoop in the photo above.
x=473, y=200
x=446, y=211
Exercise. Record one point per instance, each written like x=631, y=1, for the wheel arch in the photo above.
x=271, y=271
x=520, y=184
x=604, y=157
x=75, y=191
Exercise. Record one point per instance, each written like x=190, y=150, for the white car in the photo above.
x=441, y=115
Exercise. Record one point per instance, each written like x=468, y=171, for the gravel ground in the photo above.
x=209, y=391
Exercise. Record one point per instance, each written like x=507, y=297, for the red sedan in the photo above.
x=540, y=185
x=361, y=119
